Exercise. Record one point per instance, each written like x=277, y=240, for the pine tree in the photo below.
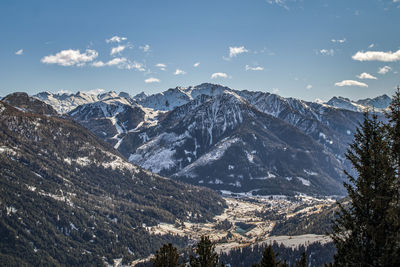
x=268, y=258
x=302, y=262
x=393, y=130
x=167, y=256
x=361, y=232
x=207, y=257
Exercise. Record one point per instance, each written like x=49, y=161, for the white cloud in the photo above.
x=145, y=48
x=234, y=51
x=162, y=66
x=196, y=64
x=281, y=3
x=121, y=63
x=152, y=80
x=365, y=75
x=116, y=61
x=351, y=83
x=258, y=68
x=384, y=70
x=309, y=86
x=377, y=56
x=219, y=75
x=19, y=52
x=133, y=65
x=112, y=62
x=327, y=52
x=71, y=57
x=116, y=39
x=275, y=90
x=95, y=91
x=62, y=91
x=179, y=72
x=371, y=45
x=117, y=49
x=340, y=41
x=98, y=64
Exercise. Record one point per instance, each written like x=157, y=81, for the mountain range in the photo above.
x=68, y=198
x=229, y=140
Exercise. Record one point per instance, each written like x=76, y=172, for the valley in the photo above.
x=251, y=220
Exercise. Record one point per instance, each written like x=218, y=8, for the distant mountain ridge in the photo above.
x=154, y=132
x=379, y=103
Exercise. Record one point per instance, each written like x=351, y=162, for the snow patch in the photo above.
x=304, y=181
x=311, y=173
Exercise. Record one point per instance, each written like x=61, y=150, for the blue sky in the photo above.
x=300, y=48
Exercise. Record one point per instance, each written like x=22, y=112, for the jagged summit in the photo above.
x=190, y=134
x=26, y=103
x=378, y=103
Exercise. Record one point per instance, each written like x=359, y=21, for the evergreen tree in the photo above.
x=393, y=130
x=361, y=232
x=303, y=260
x=207, y=257
x=268, y=258
x=167, y=256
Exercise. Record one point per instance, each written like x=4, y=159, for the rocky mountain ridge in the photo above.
x=182, y=132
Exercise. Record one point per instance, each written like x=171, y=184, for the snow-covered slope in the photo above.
x=378, y=104
x=178, y=131
x=111, y=118
x=226, y=143
x=65, y=102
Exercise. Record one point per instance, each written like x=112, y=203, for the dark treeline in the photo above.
x=317, y=254
x=204, y=255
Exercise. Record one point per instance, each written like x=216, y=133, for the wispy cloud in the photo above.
x=62, y=91
x=152, y=80
x=145, y=48
x=121, y=63
x=351, y=83
x=116, y=39
x=340, y=41
x=365, y=75
x=384, y=70
x=162, y=66
x=219, y=75
x=19, y=52
x=112, y=62
x=94, y=91
x=281, y=3
x=377, y=56
x=179, y=72
x=258, y=68
x=134, y=65
x=117, y=49
x=196, y=64
x=327, y=52
x=71, y=57
x=237, y=50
